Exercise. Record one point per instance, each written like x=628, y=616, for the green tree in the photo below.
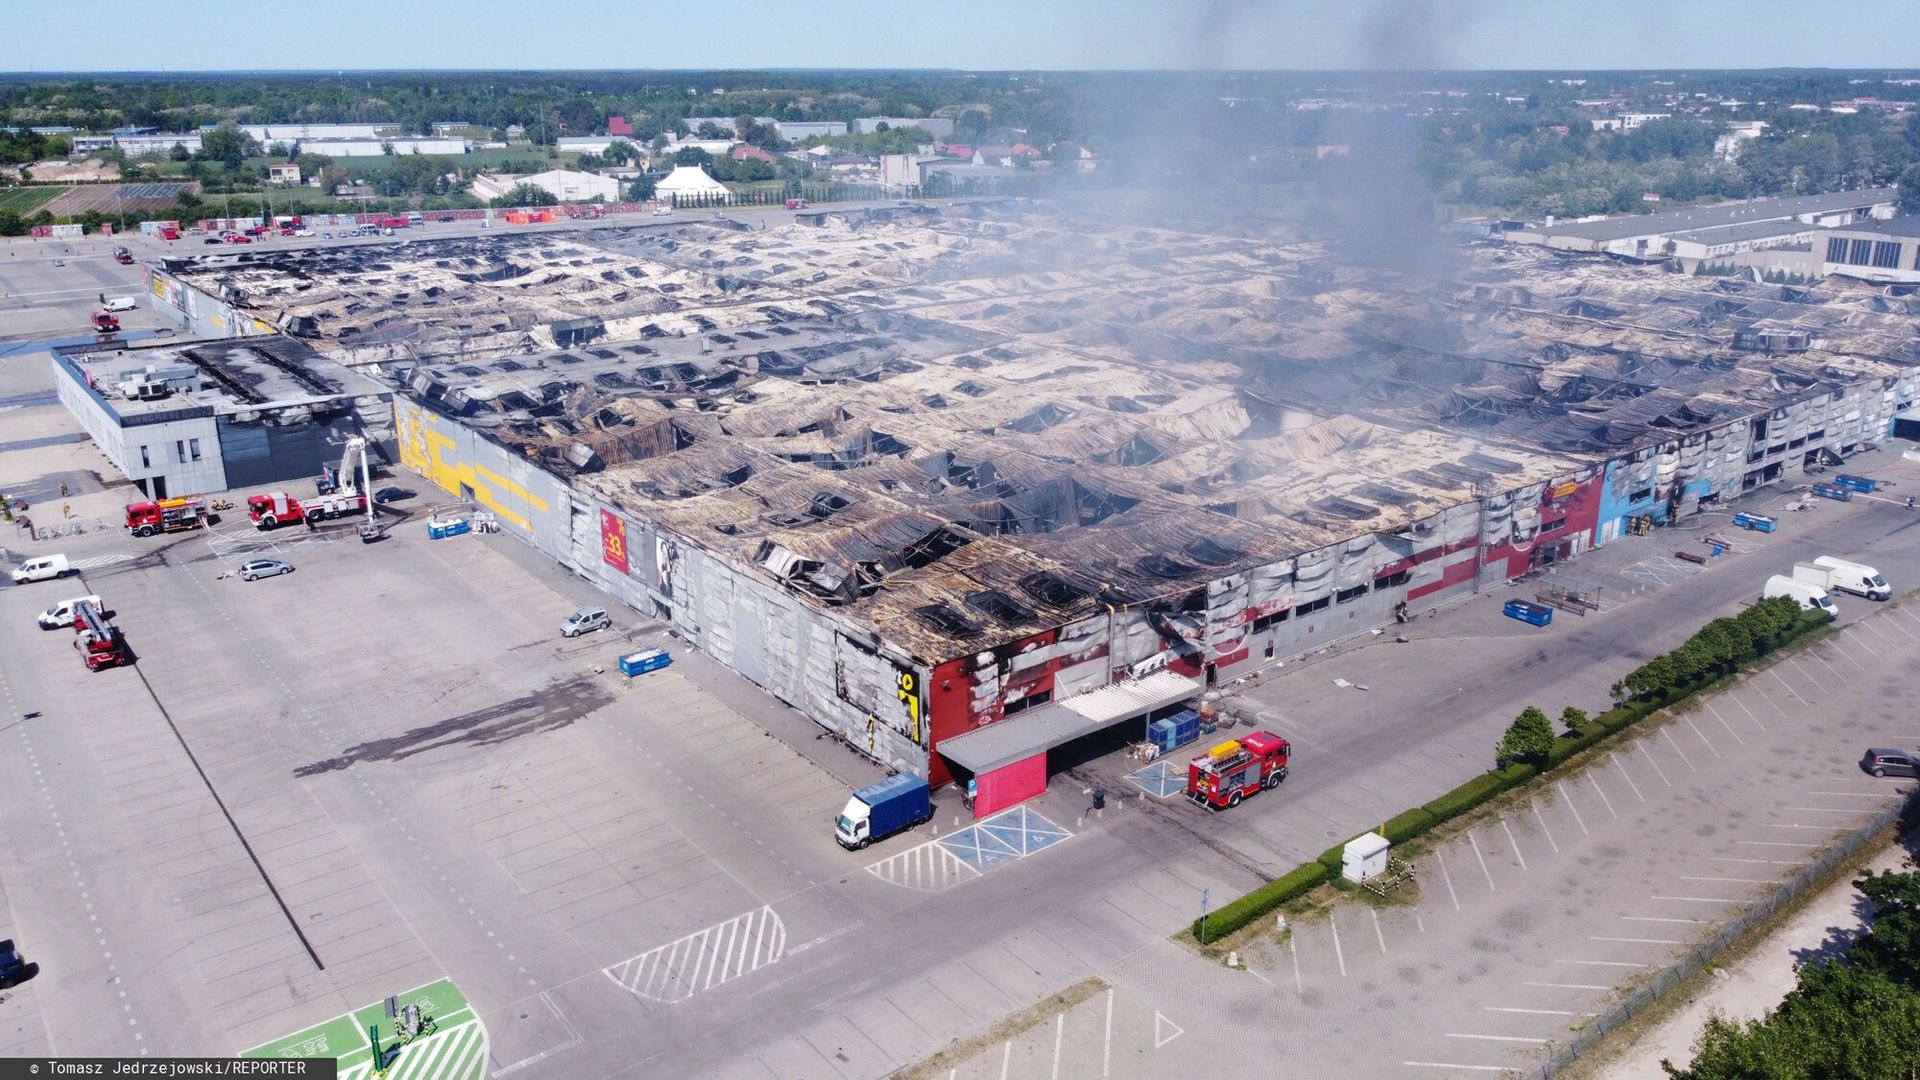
x=641, y=189
x=1528, y=739
x=692, y=155
x=11, y=224
x=527, y=195
x=1573, y=719
x=228, y=145
x=1910, y=186
x=179, y=152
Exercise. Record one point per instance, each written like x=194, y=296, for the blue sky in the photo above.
x=975, y=34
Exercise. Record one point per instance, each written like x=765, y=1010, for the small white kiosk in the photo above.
x=1365, y=857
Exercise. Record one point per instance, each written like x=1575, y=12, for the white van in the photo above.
x=1857, y=578
x=1809, y=596
x=41, y=568
x=61, y=614
x=122, y=303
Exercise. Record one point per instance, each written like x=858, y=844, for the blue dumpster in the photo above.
x=1174, y=731
x=1528, y=612
x=1756, y=522
x=1829, y=491
x=645, y=660
x=440, y=530
x=1857, y=483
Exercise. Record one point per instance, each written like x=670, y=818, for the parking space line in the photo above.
x=1106, y=1050
x=1662, y=919
x=1471, y=842
x=1641, y=745
x=1006, y=1058
x=1639, y=940
x=1604, y=963
x=1059, y=1033
x=1807, y=675
x=1450, y=1065
x=1696, y=899
x=1676, y=749
x=1446, y=877
x=1514, y=842
x=1534, y=1012
x=1377, y=934
x=1769, y=697
x=1743, y=708
x=1548, y=833
x=1498, y=1038
x=1711, y=749
x=1850, y=794
x=1867, y=626
x=1767, y=862
x=1293, y=947
x=1824, y=664
x=1847, y=654
x=1815, y=828
x=1603, y=796
x=1337, y=954
x=1724, y=724
x=1568, y=799
x=1776, y=843
x=1615, y=760
x=1896, y=625
x=1733, y=880
x=1567, y=986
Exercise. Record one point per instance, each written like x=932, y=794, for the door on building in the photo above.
x=159, y=487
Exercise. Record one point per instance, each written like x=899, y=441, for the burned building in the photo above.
x=965, y=487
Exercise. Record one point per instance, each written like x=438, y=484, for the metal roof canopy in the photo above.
x=1038, y=730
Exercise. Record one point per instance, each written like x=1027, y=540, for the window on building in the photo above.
x=144, y=463
x=1836, y=249
x=1553, y=526
x=1265, y=622
x=1027, y=702
x=1393, y=581
x=1348, y=596
x=1886, y=254
x=1916, y=256
x=180, y=449
x=193, y=447
x=1861, y=253
x=1312, y=606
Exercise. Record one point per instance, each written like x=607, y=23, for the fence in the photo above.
x=1707, y=951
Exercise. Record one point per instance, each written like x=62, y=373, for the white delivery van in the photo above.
x=1857, y=578
x=61, y=614
x=1809, y=596
x=41, y=568
x=122, y=303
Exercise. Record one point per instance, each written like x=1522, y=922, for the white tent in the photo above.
x=688, y=181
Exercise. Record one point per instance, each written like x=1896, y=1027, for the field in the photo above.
x=114, y=199
x=25, y=200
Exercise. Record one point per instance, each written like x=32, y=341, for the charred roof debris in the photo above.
x=964, y=428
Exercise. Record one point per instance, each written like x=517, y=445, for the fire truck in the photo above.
x=1235, y=769
x=105, y=322
x=166, y=515
x=97, y=640
x=276, y=508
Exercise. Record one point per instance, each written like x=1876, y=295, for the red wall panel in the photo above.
x=1010, y=785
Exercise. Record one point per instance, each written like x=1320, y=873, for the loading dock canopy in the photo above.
x=1038, y=730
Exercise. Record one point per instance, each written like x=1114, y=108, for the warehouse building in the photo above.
x=218, y=415
x=977, y=490
x=1646, y=236
x=1887, y=251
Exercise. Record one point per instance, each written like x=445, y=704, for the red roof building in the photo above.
x=1021, y=149
x=749, y=152
x=959, y=150
x=618, y=125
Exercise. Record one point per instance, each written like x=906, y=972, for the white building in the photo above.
x=134, y=145
x=796, y=130
x=1628, y=121
x=290, y=133
x=344, y=148
x=1874, y=250
x=938, y=127
x=724, y=123
x=588, y=144
x=689, y=182
x=564, y=184
x=1645, y=235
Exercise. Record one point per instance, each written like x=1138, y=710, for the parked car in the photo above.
x=41, y=568
x=1883, y=762
x=586, y=620
x=259, y=568
x=326, y=236
x=391, y=494
x=303, y=232
x=59, y=262
x=13, y=969
x=211, y=240
x=239, y=239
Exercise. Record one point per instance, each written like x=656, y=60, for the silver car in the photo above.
x=585, y=620
x=259, y=568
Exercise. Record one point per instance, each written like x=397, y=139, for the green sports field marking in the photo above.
x=455, y=1050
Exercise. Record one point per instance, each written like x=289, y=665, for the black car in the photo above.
x=211, y=240
x=1883, y=762
x=391, y=494
x=13, y=970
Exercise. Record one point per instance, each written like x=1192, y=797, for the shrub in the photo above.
x=1232, y=916
x=1528, y=738
x=1407, y=825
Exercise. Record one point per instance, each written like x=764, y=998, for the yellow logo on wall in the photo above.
x=426, y=450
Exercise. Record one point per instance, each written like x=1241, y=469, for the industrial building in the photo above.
x=216, y=415
x=1752, y=223
x=980, y=488
x=1874, y=250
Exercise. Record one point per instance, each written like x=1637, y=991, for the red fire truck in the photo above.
x=104, y=322
x=97, y=640
x=276, y=508
x=1231, y=771
x=166, y=515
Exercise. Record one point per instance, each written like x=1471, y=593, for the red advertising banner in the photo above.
x=613, y=541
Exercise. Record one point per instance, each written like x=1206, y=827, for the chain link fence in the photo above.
x=1707, y=951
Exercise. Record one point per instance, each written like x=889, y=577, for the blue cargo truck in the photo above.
x=880, y=810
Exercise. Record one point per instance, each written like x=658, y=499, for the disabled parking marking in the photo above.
x=1002, y=838
x=928, y=867
x=1159, y=779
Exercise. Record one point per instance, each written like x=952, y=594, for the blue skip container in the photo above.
x=645, y=660
x=1528, y=612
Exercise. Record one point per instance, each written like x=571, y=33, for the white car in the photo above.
x=585, y=620
x=303, y=232
x=259, y=568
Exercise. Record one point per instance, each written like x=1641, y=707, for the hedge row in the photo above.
x=1411, y=824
